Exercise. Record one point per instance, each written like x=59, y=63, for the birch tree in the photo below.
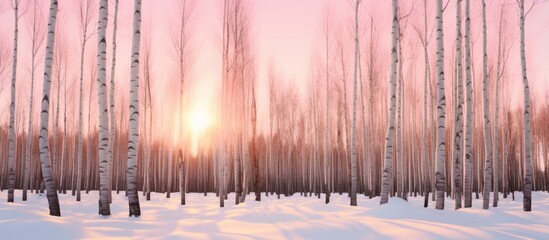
x=527, y=135
x=441, y=113
x=503, y=56
x=388, y=165
x=53, y=201
x=458, y=122
x=112, y=102
x=133, y=141
x=12, y=137
x=487, y=137
x=468, y=184
x=222, y=138
x=85, y=18
x=37, y=40
x=354, y=180
x=327, y=120
x=424, y=38
x=103, y=113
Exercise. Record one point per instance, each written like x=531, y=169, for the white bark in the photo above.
x=111, y=109
x=327, y=122
x=496, y=113
x=487, y=137
x=458, y=122
x=441, y=112
x=53, y=201
x=366, y=160
x=133, y=144
x=103, y=113
x=36, y=42
x=354, y=180
x=400, y=85
x=388, y=166
x=468, y=184
x=527, y=135
x=426, y=93
x=12, y=140
x=84, y=21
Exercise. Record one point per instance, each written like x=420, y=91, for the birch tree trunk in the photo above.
x=84, y=21
x=60, y=55
x=426, y=92
x=468, y=184
x=133, y=143
x=103, y=113
x=169, y=187
x=53, y=201
x=441, y=113
x=255, y=150
x=327, y=128
x=111, y=109
x=354, y=180
x=487, y=137
x=388, y=166
x=366, y=160
x=180, y=168
x=36, y=42
x=458, y=122
x=527, y=136
x=12, y=140
x=399, y=145
x=496, y=113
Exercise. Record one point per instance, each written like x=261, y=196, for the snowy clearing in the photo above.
x=294, y=217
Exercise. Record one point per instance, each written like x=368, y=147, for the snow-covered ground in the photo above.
x=295, y=217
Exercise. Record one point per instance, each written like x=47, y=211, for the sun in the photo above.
x=199, y=121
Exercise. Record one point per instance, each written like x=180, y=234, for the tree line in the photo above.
x=346, y=135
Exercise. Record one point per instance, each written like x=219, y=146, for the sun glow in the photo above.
x=199, y=122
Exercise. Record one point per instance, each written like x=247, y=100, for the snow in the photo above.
x=293, y=217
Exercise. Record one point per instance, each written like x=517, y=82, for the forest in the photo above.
x=440, y=100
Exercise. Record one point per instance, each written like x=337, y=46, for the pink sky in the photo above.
x=285, y=32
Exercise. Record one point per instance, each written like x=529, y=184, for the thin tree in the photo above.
x=502, y=58
x=527, y=135
x=468, y=184
x=103, y=113
x=12, y=137
x=254, y=150
x=426, y=92
x=85, y=18
x=53, y=201
x=112, y=102
x=133, y=142
x=327, y=121
x=458, y=122
x=487, y=137
x=388, y=165
x=441, y=113
x=354, y=180
x=181, y=36
x=37, y=40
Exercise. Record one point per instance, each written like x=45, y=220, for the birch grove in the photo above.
x=210, y=111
